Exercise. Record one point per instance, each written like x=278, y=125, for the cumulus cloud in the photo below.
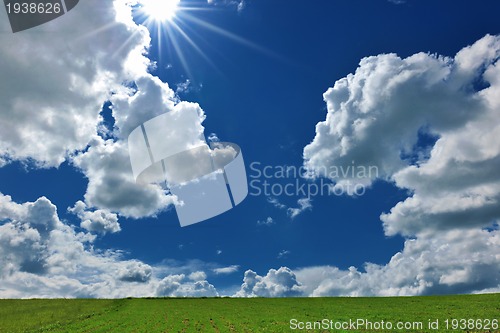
x=374, y=119
x=147, y=98
x=99, y=221
x=50, y=108
x=449, y=263
x=182, y=286
x=276, y=283
x=40, y=256
x=111, y=186
x=198, y=275
x=50, y=105
x=50, y=112
x=453, y=262
x=106, y=163
x=135, y=271
x=226, y=270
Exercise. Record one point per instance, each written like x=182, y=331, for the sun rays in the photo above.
x=171, y=22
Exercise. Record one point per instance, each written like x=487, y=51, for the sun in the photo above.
x=160, y=10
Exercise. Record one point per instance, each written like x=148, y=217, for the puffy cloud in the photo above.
x=197, y=276
x=106, y=163
x=23, y=245
x=132, y=106
x=135, y=271
x=276, y=283
x=50, y=103
x=111, y=185
x=376, y=116
x=34, y=242
x=426, y=266
x=304, y=204
x=181, y=286
x=40, y=256
x=100, y=221
x=50, y=108
x=379, y=117
x=268, y=221
x=449, y=263
x=226, y=270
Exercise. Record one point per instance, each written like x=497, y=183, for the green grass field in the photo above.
x=245, y=315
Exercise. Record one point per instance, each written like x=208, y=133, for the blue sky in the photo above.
x=261, y=87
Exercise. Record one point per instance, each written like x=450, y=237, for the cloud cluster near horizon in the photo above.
x=42, y=257
x=375, y=117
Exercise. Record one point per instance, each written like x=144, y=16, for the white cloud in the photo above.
x=212, y=137
x=99, y=221
x=275, y=202
x=276, y=283
x=453, y=262
x=186, y=87
x=111, y=185
x=447, y=263
x=241, y=6
x=135, y=271
x=268, y=221
x=196, y=276
x=375, y=115
x=107, y=163
x=40, y=256
x=304, y=204
x=374, y=119
x=180, y=286
x=226, y=270
x=49, y=108
x=148, y=98
x=283, y=254
x=50, y=104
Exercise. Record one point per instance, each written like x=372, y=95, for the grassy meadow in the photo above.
x=245, y=315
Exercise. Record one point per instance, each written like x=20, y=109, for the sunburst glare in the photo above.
x=171, y=23
x=159, y=10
